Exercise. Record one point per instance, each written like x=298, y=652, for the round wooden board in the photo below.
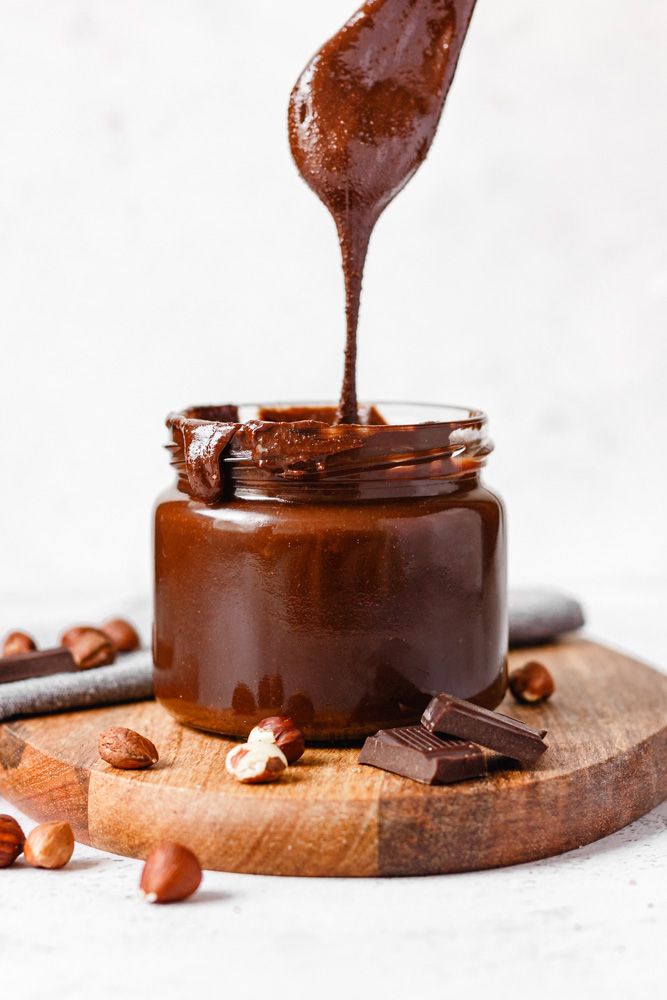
x=606, y=765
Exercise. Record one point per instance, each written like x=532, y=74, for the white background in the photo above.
x=157, y=248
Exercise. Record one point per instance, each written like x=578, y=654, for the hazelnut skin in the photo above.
x=73, y=633
x=12, y=840
x=18, y=642
x=282, y=731
x=90, y=647
x=171, y=874
x=50, y=845
x=123, y=635
x=532, y=683
x=127, y=750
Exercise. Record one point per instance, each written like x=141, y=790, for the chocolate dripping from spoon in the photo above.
x=361, y=119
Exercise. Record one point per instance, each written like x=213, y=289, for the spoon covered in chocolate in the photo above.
x=362, y=117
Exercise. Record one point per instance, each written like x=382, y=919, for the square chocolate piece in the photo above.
x=450, y=716
x=413, y=752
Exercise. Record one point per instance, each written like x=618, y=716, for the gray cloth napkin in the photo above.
x=535, y=616
x=129, y=679
x=539, y=615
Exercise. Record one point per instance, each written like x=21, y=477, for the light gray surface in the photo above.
x=589, y=924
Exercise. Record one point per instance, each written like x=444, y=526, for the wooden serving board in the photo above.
x=606, y=766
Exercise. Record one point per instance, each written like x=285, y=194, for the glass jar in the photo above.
x=341, y=575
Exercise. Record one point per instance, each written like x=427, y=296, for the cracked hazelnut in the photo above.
x=282, y=731
x=126, y=749
x=50, y=845
x=123, y=635
x=171, y=873
x=18, y=642
x=531, y=683
x=12, y=840
x=256, y=763
x=90, y=647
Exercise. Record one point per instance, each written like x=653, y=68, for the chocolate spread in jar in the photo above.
x=341, y=575
x=318, y=561
x=362, y=117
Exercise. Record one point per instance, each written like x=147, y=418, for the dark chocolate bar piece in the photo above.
x=415, y=753
x=23, y=666
x=452, y=716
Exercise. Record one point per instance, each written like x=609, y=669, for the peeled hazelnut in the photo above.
x=255, y=763
x=282, y=731
x=90, y=647
x=50, y=845
x=171, y=873
x=126, y=749
x=531, y=683
x=18, y=642
x=12, y=840
x=124, y=637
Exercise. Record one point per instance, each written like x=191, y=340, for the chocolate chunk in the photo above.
x=415, y=753
x=23, y=666
x=451, y=716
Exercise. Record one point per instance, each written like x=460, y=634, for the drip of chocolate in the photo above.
x=362, y=117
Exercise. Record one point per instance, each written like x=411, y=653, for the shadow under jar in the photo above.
x=341, y=575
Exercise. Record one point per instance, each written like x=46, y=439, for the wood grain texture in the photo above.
x=606, y=766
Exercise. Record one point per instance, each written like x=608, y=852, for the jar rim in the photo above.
x=432, y=413
x=214, y=447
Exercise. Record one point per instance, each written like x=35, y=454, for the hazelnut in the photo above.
x=282, y=731
x=50, y=845
x=126, y=749
x=72, y=634
x=18, y=642
x=531, y=683
x=171, y=873
x=89, y=647
x=12, y=840
x=124, y=637
x=256, y=763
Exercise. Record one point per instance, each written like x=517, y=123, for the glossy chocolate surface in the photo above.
x=362, y=117
x=343, y=586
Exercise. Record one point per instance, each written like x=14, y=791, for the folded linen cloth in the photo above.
x=129, y=679
x=535, y=616
x=540, y=615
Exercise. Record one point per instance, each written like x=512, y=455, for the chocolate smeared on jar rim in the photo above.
x=216, y=449
x=362, y=117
